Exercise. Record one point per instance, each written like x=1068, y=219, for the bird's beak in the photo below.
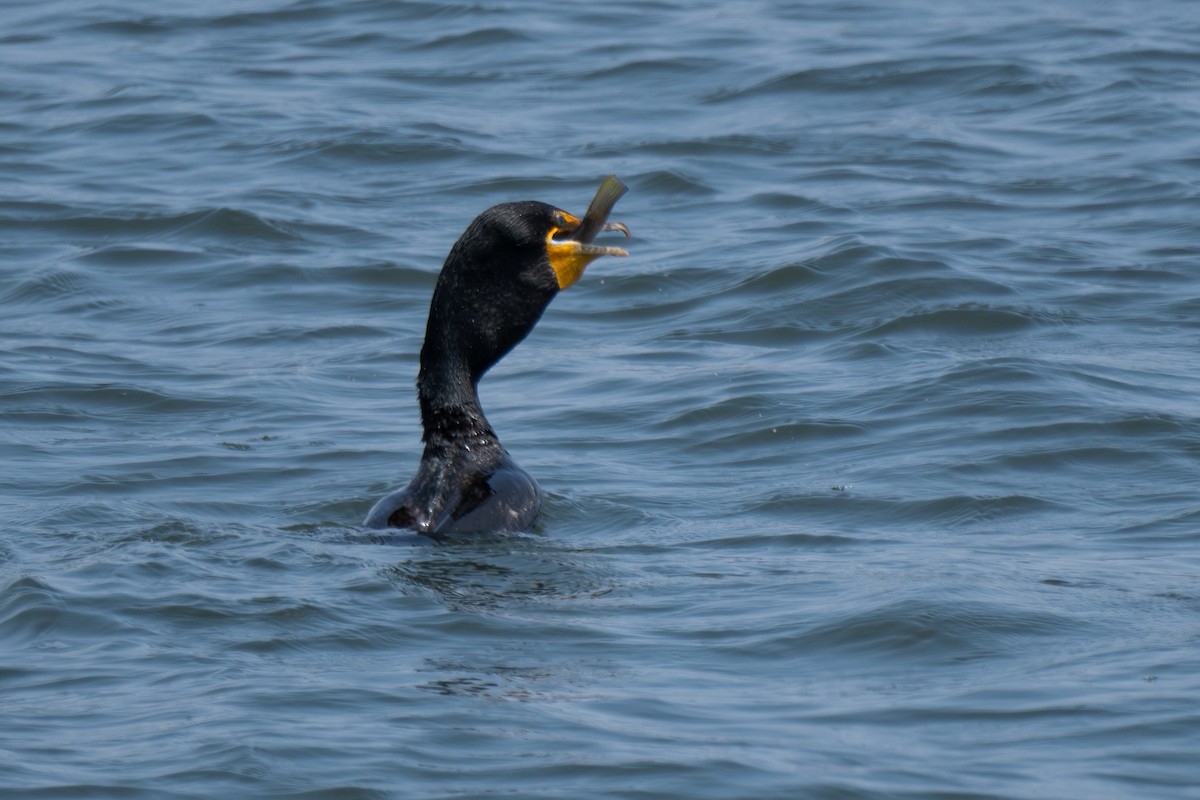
x=570, y=257
x=569, y=244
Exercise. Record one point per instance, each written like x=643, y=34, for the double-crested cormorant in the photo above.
x=497, y=280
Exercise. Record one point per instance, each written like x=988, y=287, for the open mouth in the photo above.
x=569, y=244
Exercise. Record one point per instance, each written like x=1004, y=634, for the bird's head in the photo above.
x=504, y=270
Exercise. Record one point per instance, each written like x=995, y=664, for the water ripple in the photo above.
x=875, y=460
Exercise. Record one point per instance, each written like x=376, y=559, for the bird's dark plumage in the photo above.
x=497, y=280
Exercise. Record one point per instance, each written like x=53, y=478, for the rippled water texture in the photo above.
x=872, y=473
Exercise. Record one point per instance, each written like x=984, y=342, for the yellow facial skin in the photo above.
x=569, y=258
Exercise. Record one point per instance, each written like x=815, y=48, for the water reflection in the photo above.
x=501, y=573
x=504, y=594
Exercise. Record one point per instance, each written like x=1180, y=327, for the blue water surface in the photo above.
x=873, y=472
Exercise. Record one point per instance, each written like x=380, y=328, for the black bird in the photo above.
x=497, y=280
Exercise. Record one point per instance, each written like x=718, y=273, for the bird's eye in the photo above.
x=559, y=220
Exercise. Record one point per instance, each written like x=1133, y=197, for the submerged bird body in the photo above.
x=499, y=277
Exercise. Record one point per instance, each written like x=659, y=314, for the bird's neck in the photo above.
x=450, y=411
